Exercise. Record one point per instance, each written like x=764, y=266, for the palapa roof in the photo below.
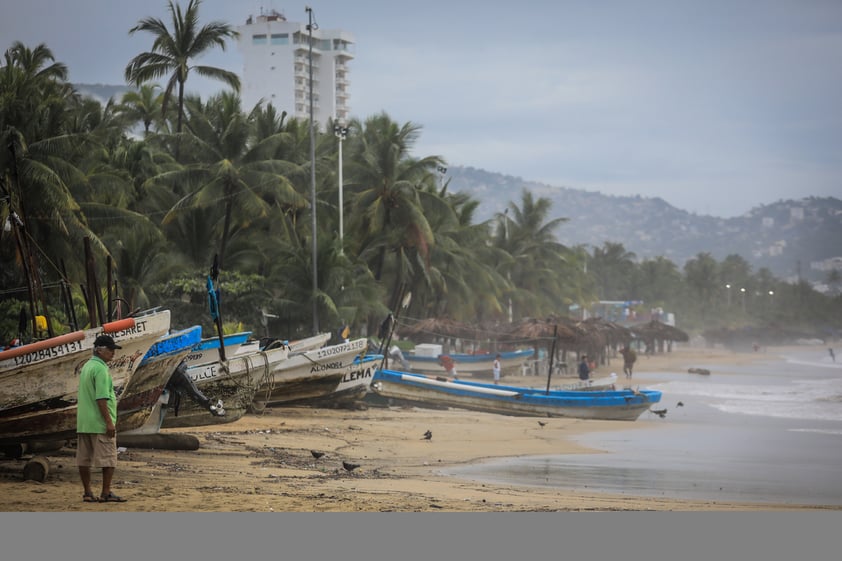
x=658, y=330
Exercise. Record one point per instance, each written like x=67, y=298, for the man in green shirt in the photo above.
x=96, y=420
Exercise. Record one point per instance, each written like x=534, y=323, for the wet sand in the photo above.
x=264, y=463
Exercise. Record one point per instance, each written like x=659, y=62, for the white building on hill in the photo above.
x=276, y=56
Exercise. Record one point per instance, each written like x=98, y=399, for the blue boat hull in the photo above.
x=620, y=405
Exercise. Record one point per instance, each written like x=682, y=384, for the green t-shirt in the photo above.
x=94, y=383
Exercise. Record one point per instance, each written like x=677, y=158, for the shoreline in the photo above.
x=263, y=462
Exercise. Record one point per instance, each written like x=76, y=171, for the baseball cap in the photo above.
x=106, y=341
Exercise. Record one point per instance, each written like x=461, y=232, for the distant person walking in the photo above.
x=584, y=369
x=832, y=356
x=495, y=369
x=629, y=358
x=96, y=422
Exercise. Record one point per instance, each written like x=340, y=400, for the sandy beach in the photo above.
x=264, y=463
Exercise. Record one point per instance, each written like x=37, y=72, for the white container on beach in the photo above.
x=427, y=349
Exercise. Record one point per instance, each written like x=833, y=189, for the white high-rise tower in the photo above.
x=276, y=56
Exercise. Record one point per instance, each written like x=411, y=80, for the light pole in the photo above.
x=728, y=292
x=341, y=133
x=743, y=290
x=310, y=26
x=506, y=237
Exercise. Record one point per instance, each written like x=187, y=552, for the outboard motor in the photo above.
x=181, y=384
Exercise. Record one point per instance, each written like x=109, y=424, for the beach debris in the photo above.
x=317, y=454
x=704, y=371
x=542, y=423
x=349, y=466
x=428, y=435
x=679, y=404
x=659, y=412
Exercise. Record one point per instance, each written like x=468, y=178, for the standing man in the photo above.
x=495, y=368
x=96, y=421
x=629, y=358
x=584, y=369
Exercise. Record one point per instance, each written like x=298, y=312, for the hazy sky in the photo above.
x=716, y=106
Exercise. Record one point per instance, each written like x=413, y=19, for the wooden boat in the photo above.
x=207, y=350
x=308, y=374
x=591, y=384
x=620, y=405
x=352, y=387
x=312, y=342
x=470, y=364
x=229, y=385
x=39, y=381
x=140, y=395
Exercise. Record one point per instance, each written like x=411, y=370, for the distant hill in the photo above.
x=102, y=92
x=785, y=236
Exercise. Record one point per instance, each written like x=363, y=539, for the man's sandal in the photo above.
x=89, y=498
x=111, y=498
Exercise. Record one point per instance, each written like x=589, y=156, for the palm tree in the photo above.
x=537, y=257
x=174, y=50
x=387, y=218
x=143, y=105
x=227, y=170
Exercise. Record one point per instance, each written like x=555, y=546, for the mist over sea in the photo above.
x=769, y=432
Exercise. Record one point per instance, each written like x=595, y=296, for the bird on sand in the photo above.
x=428, y=435
x=349, y=466
x=542, y=423
x=317, y=454
x=679, y=404
x=659, y=412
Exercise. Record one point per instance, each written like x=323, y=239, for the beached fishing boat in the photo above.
x=352, y=387
x=207, y=350
x=308, y=374
x=425, y=359
x=620, y=405
x=229, y=385
x=140, y=396
x=39, y=381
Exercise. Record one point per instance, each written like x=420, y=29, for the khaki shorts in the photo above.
x=96, y=450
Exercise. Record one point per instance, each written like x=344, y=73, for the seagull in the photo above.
x=679, y=404
x=316, y=454
x=349, y=466
x=428, y=435
x=659, y=412
x=542, y=423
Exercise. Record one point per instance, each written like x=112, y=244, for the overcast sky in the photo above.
x=716, y=106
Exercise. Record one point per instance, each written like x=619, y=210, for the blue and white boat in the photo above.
x=620, y=405
x=468, y=363
x=207, y=350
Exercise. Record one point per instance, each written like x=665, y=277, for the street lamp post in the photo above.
x=506, y=237
x=728, y=293
x=310, y=26
x=743, y=291
x=341, y=133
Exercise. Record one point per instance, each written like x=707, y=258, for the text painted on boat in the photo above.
x=326, y=366
x=340, y=349
x=360, y=374
x=49, y=352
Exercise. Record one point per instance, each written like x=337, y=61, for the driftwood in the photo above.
x=698, y=371
x=159, y=441
x=36, y=469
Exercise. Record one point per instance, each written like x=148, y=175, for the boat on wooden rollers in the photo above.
x=619, y=405
x=221, y=392
x=467, y=363
x=308, y=374
x=39, y=381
